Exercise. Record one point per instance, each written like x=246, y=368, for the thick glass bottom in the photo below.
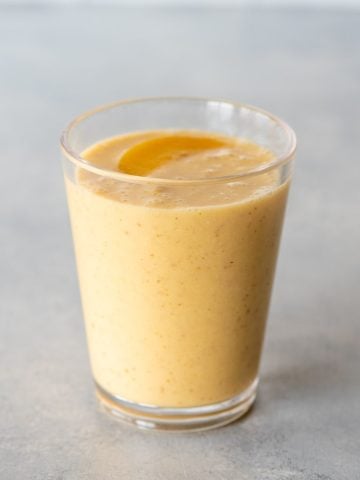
x=178, y=418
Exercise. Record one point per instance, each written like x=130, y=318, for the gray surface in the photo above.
x=304, y=66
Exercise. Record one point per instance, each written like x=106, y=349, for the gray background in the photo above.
x=303, y=65
x=207, y=3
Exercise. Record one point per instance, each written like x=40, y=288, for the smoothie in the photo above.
x=176, y=280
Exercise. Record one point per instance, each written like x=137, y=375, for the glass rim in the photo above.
x=81, y=162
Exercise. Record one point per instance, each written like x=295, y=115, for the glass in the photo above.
x=176, y=275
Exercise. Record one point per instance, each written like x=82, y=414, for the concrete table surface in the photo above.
x=303, y=66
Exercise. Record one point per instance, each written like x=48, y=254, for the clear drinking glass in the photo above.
x=176, y=275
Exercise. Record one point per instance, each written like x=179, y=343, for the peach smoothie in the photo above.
x=176, y=280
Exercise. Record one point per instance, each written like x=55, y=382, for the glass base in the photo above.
x=178, y=419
